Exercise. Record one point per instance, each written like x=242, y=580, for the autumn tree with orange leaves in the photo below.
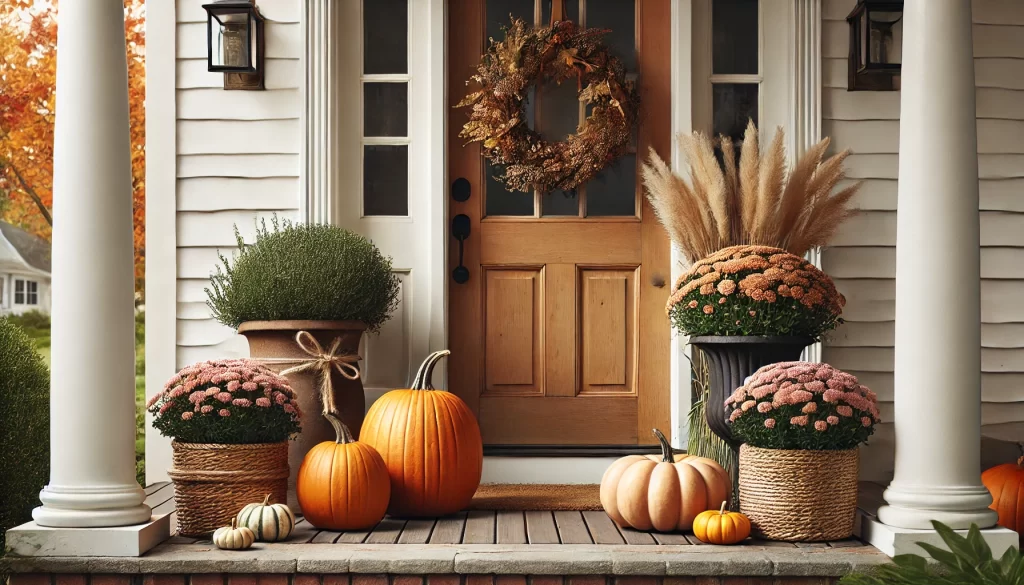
x=28, y=45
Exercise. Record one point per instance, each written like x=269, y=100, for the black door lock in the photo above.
x=460, y=231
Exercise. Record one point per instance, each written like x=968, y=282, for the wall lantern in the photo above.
x=234, y=42
x=876, y=45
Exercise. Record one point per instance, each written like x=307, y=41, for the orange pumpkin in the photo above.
x=431, y=444
x=662, y=492
x=1006, y=484
x=343, y=485
x=721, y=527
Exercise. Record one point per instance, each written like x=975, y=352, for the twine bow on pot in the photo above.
x=323, y=362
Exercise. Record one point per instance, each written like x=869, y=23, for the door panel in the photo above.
x=560, y=337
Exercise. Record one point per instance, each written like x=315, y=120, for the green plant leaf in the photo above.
x=951, y=560
x=956, y=543
x=911, y=561
x=978, y=544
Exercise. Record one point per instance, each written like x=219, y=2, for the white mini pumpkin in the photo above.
x=233, y=537
x=269, y=522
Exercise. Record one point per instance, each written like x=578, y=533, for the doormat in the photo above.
x=545, y=496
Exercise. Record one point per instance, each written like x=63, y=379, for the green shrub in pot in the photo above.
x=301, y=271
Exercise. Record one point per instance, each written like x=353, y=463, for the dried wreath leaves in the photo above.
x=535, y=56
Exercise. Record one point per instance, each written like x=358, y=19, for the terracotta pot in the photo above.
x=276, y=340
x=799, y=495
x=731, y=359
x=213, y=481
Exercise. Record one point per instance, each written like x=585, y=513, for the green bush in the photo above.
x=968, y=561
x=32, y=320
x=24, y=426
x=304, y=271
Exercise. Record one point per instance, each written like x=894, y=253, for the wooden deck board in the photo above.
x=571, y=528
x=668, y=538
x=511, y=527
x=449, y=529
x=417, y=531
x=540, y=528
x=636, y=537
x=602, y=528
x=480, y=527
x=387, y=532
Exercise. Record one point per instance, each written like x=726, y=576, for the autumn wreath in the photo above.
x=536, y=56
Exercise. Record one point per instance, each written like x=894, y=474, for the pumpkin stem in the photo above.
x=721, y=510
x=266, y=500
x=234, y=523
x=1020, y=461
x=422, y=381
x=666, y=448
x=341, y=432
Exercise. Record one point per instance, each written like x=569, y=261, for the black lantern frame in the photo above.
x=865, y=73
x=247, y=74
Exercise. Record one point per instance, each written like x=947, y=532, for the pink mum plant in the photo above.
x=226, y=401
x=802, y=405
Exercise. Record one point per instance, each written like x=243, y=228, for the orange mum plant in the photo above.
x=755, y=290
x=749, y=201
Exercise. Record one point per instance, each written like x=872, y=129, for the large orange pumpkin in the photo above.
x=1006, y=484
x=431, y=444
x=662, y=492
x=343, y=485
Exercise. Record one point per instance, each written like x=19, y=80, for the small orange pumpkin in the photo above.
x=343, y=485
x=721, y=526
x=662, y=492
x=431, y=444
x=1006, y=484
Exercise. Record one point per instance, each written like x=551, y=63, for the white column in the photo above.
x=938, y=292
x=92, y=386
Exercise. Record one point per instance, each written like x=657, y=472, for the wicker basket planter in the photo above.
x=212, y=482
x=797, y=495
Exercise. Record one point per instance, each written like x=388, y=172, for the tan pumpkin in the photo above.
x=343, y=484
x=662, y=492
x=269, y=522
x=721, y=526
x=233, y=537
x=431, y=444
x=1006, y=484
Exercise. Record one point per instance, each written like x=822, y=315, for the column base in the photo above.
x=914, y=507
x=86, y=507
x=33, y=540
x=893, y=541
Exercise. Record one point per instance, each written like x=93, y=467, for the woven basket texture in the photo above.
x=798, y=495
x=212, y=482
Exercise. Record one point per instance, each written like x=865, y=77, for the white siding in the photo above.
x=238, y=160
x=863, y=257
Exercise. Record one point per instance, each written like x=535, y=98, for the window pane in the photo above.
x=572, y=11
x=620, y=17
x=498, y=12
x=385, y=180
x=385, y=112
x=734, y=36
x=559, y=111
x=613, y=190
x=501, y=201
x=733, y=104
x=385, y=36
x=560, y=203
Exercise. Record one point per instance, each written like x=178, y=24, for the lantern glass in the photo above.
x=234, y=36
x=884, y=41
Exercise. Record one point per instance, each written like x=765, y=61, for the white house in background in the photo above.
x=24, y=271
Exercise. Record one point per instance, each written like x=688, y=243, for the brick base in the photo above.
x=363, y=579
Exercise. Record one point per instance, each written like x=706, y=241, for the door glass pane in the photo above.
x=501, y=201
x=385, y=180
x=559, y=111
x=620, y=17
x=734, y=36
x=572, y=11
x=560, y=203
x=733, y=104
x=385, y=36
x=613, y=190
x=498, y=12
x=385, y=112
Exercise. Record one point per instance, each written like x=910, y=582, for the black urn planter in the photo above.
x=730, y=360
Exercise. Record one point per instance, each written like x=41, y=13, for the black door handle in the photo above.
x=460, y=231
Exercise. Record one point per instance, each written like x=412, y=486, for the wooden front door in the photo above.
x=559, y=336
